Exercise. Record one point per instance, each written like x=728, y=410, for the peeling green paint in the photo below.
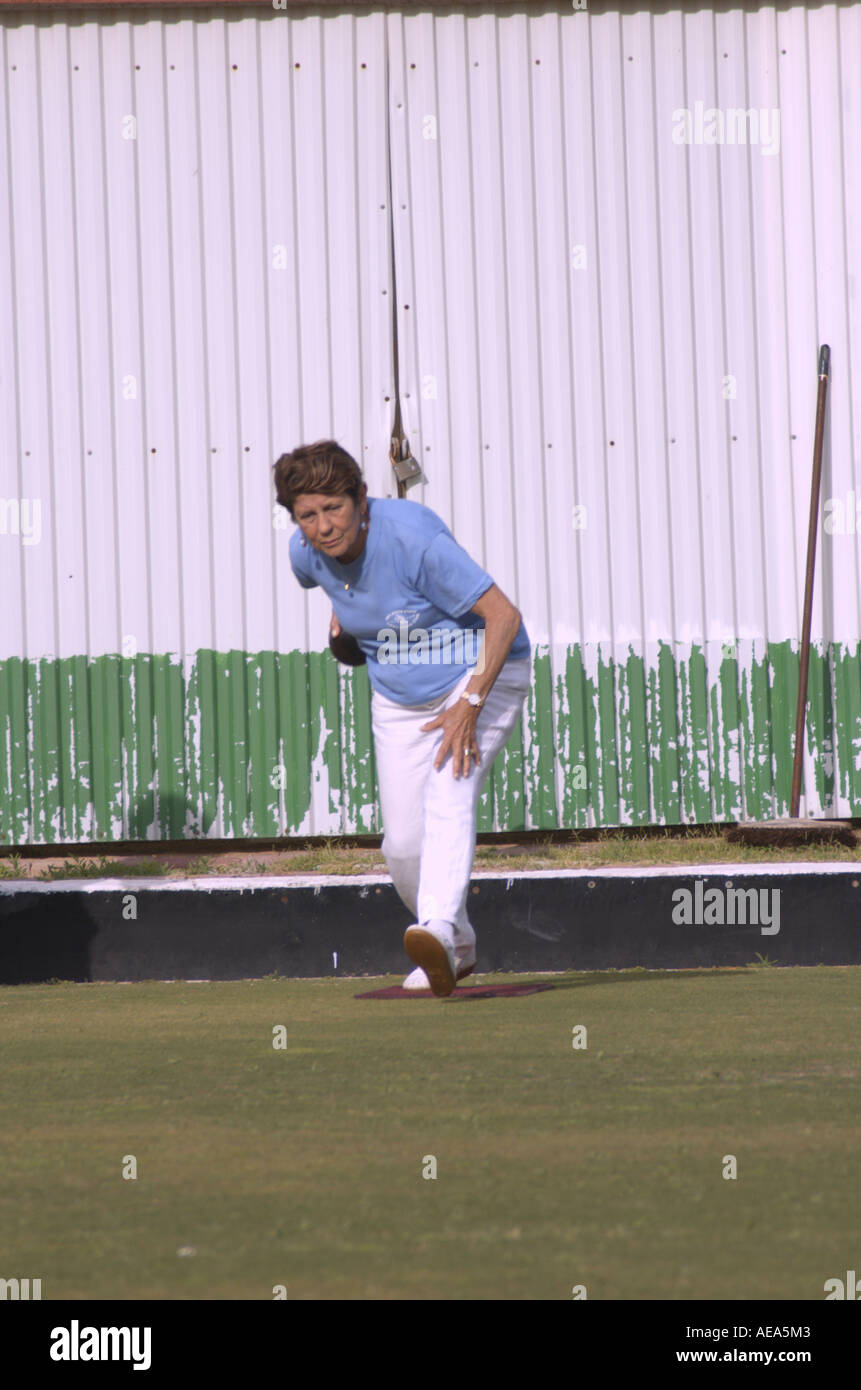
x=540, y=788
x=268, y=744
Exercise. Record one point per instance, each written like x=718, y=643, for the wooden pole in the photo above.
x=812, y=528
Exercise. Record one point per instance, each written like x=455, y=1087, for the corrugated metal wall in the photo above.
x=608, y=371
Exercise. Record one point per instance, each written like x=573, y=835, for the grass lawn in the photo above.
x=610, y=848
x=556, y=1166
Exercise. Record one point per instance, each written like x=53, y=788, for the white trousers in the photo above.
x=429, y=815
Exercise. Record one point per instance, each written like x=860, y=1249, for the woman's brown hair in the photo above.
x=323, y=467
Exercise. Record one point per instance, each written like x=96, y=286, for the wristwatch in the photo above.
x=475, y=700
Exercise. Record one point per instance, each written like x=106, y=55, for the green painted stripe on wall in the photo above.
x=540, y=786
x=758, y=775
x=606, y=781
x=781, y=687
x=634, y=763
x=662, y=687
x=725, y=740
x=357, y=750
x=574, y=708
x=697, y=770
x=268, y=744
x=846, y=679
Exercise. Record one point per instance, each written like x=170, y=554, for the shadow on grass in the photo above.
x=639, y=974
x=581, y=979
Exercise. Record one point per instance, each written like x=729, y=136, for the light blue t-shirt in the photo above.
x=407, y=600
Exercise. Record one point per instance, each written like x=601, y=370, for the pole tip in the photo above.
x=824, y=359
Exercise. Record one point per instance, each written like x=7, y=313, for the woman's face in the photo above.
x=332, y=524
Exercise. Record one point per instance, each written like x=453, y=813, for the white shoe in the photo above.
x=417, y=979
x=430, y=945
x=464, y=960
x=464, y=942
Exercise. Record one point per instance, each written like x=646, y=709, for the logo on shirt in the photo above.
x=403, y=616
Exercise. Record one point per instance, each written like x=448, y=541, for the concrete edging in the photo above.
x=352, y=925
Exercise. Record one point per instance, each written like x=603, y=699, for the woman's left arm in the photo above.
x=502, y=623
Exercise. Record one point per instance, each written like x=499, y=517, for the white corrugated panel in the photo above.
x=195, y=259
x=604, y=316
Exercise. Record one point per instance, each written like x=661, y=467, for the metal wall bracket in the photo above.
x=406, y=467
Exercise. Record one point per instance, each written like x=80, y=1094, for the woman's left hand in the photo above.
x=459, y=738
